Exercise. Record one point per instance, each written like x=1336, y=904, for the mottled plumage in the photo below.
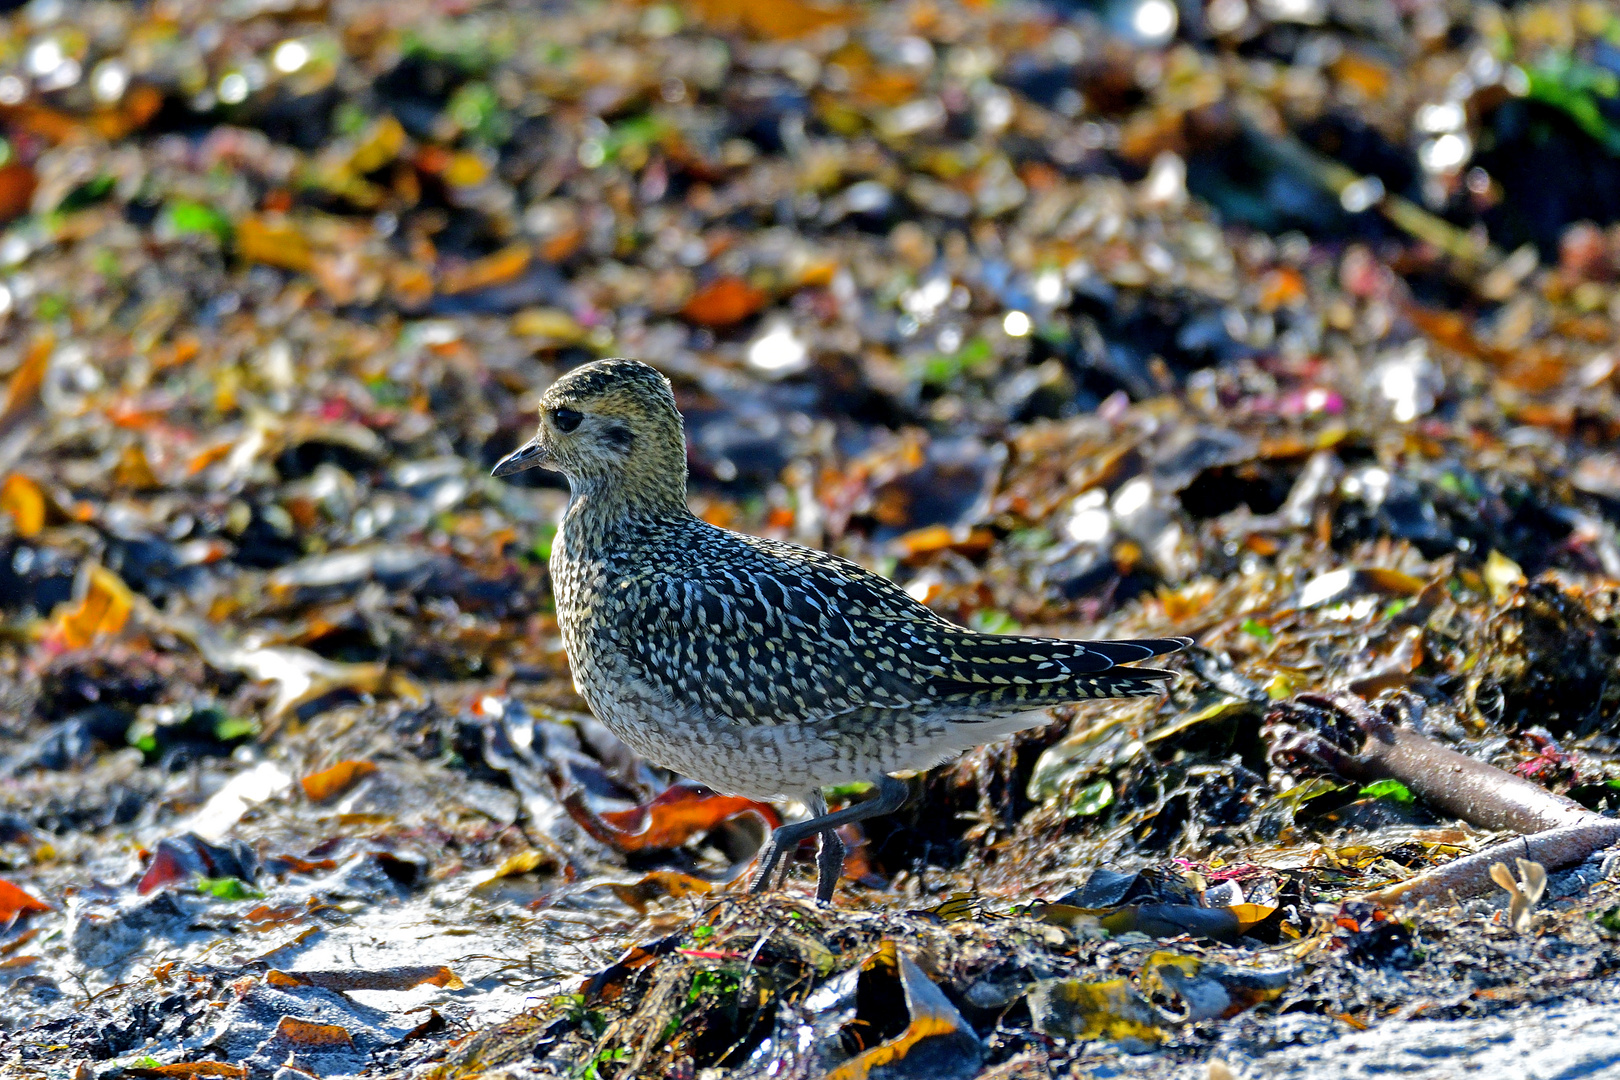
x=758, y=667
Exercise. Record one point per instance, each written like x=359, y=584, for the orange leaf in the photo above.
x=133, y=473
x=332, y=782
x=565, y=243
x=25, y=502
x=495, y=269
x=15, y=902
x=773, y=19
x=270, y=916
x=1251, y=914
x=102, y=609
x=303, y=1033
x=189, y=1068
x=674, y=817
x=723, y=302
x=660, y=883
x=23, y=390
x=274, y=243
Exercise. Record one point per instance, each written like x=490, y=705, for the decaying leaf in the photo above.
x=672, y=818
x=658, y=884
x=1524, y=893
x=334, y=781
x=181, y=1069
x=101, y=606
x=22, y=392
x=1108, y=1009
x=300, y=675
x=782, y=19
x=937, y=1043
x=310, y=1035
x=1502, y=576
x=394, y=978
x=1207, y=990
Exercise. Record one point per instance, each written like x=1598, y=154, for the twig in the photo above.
x=1342, y=734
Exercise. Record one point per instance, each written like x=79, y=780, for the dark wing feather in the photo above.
x=763, y=632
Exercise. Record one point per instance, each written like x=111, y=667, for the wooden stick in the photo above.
x=1556, y=831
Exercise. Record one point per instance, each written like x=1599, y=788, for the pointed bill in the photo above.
x=527, y=456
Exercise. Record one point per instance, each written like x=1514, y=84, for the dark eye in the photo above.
x=566, y=419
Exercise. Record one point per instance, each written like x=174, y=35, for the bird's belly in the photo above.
x=759, y=763
x=792, y=759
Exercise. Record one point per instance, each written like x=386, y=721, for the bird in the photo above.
x=758, y=667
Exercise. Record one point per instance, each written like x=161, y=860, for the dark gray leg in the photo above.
x=829, y=865
x=891, y=795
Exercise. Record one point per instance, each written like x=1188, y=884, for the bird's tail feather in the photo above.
x=1014, y=670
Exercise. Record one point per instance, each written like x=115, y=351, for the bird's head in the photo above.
x=610, y=426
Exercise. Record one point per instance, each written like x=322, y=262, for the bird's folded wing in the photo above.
x=773, y=634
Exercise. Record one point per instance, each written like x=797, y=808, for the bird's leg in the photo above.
x=891, y=795
x=829, y=865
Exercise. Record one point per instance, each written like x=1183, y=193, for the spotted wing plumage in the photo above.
x=764, y=633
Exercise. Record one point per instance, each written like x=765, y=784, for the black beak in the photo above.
x=527, y=456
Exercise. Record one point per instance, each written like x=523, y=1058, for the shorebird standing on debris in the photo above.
x=757, y=667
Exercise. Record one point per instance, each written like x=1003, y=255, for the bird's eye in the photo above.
x=566, y=419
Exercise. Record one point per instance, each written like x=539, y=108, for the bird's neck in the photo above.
x=601, y=514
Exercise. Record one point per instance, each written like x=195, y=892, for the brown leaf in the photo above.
x=189, y=1068
x=394, y=978
x=9, y=947
x=330, y=783
x=133, y=472
x=274, y=242
x=723, y=302
x=23, y=389
x=658, y=884
x=17, y=184
x=1392, y=582
x=433, y=1024
x=304, y=1033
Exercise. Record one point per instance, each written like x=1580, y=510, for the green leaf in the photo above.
x=86, y=194
x=227, y=888
x=702, y=933
x=230, y=728
x=1092, y=799
x=474, y=108
x=1388, y=789
x=1313, y=788
x=1259, y=630
x=990, y=621
x=845, y=792
x=1574, y=87
x=185, y=218
x=543, y=539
